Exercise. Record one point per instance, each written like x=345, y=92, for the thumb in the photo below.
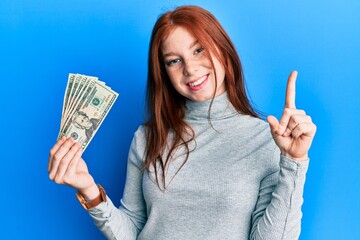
x=274, y=124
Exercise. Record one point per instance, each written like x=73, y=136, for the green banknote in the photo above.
x=87, y=101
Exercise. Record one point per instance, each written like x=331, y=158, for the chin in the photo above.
x=201, y=98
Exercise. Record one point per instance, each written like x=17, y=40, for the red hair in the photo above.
x=165, y=106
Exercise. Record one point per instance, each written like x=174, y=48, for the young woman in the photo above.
x=204, y=165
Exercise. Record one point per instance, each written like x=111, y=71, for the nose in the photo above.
x=190, y=67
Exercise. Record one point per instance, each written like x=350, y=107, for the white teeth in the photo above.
x=198, y=82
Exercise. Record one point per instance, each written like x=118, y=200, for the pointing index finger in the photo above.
x=290, y=91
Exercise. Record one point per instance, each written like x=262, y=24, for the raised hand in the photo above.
x=295, y=131
x=66, y=167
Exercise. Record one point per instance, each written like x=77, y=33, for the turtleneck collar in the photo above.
x=220, y=108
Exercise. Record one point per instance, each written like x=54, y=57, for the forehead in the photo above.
x=177, y=39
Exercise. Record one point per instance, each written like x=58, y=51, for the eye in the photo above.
x=172, y=62
x=199, y=50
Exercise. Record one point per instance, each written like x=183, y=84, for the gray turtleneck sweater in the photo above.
x=234, y=185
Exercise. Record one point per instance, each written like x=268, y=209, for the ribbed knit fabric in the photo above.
x=234, y=185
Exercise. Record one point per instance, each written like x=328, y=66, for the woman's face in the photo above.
x=188, y=67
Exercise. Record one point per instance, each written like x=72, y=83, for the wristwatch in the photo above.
x=93, y=203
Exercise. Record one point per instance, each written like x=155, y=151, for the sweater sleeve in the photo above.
x=277, y=214
x=127, y=221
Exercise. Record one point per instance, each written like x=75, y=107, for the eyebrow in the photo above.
x=190, y=47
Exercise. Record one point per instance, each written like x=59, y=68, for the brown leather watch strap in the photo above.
x=94, y=202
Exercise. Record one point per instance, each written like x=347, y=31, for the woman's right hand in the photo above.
x=66, y=167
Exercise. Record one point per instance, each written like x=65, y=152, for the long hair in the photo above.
x=165, y=106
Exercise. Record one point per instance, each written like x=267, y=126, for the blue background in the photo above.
x=42, y=41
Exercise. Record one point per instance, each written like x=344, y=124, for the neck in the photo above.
x=217, y=108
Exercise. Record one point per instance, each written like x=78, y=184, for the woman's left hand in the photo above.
x=295, y=131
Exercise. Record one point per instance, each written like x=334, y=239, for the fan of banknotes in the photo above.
x=87, y=101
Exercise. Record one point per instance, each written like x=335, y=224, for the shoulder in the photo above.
x=248, y=132
x=139, y=138
x=262, y=132
x=138, y=145
x=260, y=135
x=267, y=141
x=255, y=121
x=257, y=128
x=140, y=134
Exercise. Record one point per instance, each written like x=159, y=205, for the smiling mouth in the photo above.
x=198, y=82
